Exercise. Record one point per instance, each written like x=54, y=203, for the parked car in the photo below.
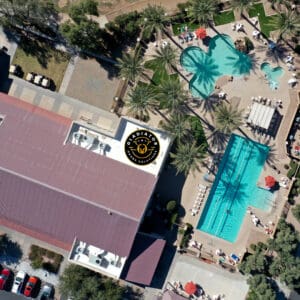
x=47, y=292
x=30, y=76
x=15, y=70
x=19, y=282
x=37, y=79
x=45, y=82
x=30, y=286
x=5, y=274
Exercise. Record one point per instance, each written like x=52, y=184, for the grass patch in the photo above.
x=264, y=21
x=40, y=57
x=179, y=27
x=45, y=259
x=224, y=17
x=160, y=73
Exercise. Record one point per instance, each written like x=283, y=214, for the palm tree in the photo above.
x=202, y=11
x=166, y=57
x=242, y=6
x=187, y=157
x=131, y=66
x=276, y=4
x=155, y=20
x=171, y=95
x=287, y=23
x=178, y=126
x=139, y=101
x=227, y=118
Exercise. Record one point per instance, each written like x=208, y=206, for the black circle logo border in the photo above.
x=131, y=156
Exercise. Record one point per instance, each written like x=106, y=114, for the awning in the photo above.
x=270, y=181
x=261, y=115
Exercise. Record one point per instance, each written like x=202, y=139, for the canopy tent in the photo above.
x=270, y=181
x=190, y=288
x=201, y=33
x=261, y=115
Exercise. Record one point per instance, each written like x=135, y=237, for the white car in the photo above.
x=19, y=282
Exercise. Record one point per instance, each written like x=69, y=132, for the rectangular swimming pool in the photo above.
x=234, y=189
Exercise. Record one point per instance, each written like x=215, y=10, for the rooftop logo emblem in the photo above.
x=142, y=147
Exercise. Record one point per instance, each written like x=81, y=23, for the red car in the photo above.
x=5, y=274
x=30, y=285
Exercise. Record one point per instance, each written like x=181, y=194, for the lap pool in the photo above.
x=235, y=189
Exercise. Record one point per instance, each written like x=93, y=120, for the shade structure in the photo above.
x=190, y=288
x=270, y=181
x=201, y=33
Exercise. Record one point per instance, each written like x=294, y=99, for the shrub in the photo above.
x=171, y=206
x=253, y=247
x=37, y=263
x=291, y=201
x=286, y=166
x=296, y=212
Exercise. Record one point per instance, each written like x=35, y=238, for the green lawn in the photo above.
x=160, y=73
x=224, y=17
x=177, y=27
x=41, y=58
x=264, y=21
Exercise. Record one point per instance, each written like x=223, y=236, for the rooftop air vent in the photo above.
x=1, y=119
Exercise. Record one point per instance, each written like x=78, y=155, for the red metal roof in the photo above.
x=62, y=191
x=55, y=216
x=144, y=258
x=32, y=145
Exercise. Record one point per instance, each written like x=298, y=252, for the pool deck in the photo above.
x=239, y=93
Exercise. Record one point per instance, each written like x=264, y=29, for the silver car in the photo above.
x=19, y=282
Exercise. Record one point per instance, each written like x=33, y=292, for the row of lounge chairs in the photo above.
x=199, y=199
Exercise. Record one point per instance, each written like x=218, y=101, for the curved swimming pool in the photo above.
x=272, y=74
x=221, y=59
x=234, y=189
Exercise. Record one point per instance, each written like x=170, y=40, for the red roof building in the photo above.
x=58, y=192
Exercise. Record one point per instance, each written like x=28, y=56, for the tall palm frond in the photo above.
x=242, y=6
x=188, y=157
x=227, y=118
x=178, y=126
x=171, y=95
x=155, y=19
x=139, y=101
x=202, y=11
x=166, y=57
x=288, y=23
x=131, y=66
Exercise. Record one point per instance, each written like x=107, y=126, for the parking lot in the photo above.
x=16, y=259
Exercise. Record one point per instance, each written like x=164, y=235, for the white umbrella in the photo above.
x=292, y=81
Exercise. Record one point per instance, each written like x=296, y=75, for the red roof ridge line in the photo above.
x=69, y=194
x=53, y=116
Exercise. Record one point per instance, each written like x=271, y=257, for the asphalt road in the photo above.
x=10, y=296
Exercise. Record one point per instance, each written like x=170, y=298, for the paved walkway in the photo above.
x=24, y=264
x=212, y=278
x=63, y=105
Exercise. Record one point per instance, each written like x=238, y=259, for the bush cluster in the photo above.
x=45, y=259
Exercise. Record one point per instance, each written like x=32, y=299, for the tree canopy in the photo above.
x=80, y=283
x=202, y=11
x=35, y=16
x=260, y=288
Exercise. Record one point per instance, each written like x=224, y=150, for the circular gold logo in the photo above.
x=142, y=147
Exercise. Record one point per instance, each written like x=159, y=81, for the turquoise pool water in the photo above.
x=272, y=74
x=221, y=59
x=235, y=189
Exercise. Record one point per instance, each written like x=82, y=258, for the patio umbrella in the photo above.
x=201, y=33
x=270, y=181
x=190, y=288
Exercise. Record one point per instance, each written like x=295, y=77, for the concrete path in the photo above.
x=68, y=75
x=213, y=279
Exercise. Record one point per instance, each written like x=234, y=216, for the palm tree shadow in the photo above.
x=277, y=54
x=218, y=139
x=209, y=104
x=271, y=160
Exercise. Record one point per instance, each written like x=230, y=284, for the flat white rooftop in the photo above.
x=113, y=147
x=96, y=259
